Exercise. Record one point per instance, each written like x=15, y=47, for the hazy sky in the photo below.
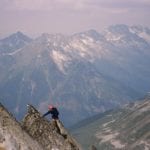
x=69, y=16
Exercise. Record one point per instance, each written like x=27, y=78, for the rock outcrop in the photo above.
x=51, y=135
x=12, y=136
x=33, y=133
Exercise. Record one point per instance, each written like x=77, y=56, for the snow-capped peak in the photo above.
x=141, y=32
x=14, y=42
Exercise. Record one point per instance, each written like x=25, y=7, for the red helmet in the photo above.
x=50, y=107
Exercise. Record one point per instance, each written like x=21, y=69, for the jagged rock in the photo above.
x=34, y=133
x=51, y=135
x=12, y=136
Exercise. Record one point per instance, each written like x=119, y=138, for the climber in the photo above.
x=55, y=120
x=53, y=111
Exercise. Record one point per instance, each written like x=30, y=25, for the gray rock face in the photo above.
x=12, y=136
x=52, y=135
x=35, y=133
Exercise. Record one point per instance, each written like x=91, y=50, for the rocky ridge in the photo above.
x=12, y=136
x=33, y=133
x=127, y=128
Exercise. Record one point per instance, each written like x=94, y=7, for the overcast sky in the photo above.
x=34, y=17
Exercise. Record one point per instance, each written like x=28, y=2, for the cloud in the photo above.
x=4, y=4
x=41, y=4
x=28, y=4
x=68, y=16
x=120, y=3
x=74, y=5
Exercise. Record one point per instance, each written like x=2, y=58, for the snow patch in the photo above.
x=78, y=46
x=87, y=40
x=60, y=59
x=13, y=53
x=112, y=37
x=145, y=106
x=106, y=124
x=108, y=136
x=117, y=144
x=86, y=48
x=145, y=36
x=141, y=33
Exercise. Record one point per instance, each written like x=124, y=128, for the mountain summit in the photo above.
x=14, y=42
x=34, y=133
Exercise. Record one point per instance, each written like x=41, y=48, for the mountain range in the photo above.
x=81, y=74
x=126, y=128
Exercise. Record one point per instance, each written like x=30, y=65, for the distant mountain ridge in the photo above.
x=14, y=42
x=127, y=128
x=85, y=73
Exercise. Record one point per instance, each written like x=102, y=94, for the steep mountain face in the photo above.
x=8, y=47
x=33, y=133
x=12, y=136
x=85, y=73
x=125, y=128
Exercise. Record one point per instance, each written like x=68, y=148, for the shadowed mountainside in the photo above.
x=127, y=128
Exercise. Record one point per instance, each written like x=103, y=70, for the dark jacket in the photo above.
x=54, y=112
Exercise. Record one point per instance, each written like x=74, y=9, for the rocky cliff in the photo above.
x=51, y=135
x=33, y=133
x=12, y=136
